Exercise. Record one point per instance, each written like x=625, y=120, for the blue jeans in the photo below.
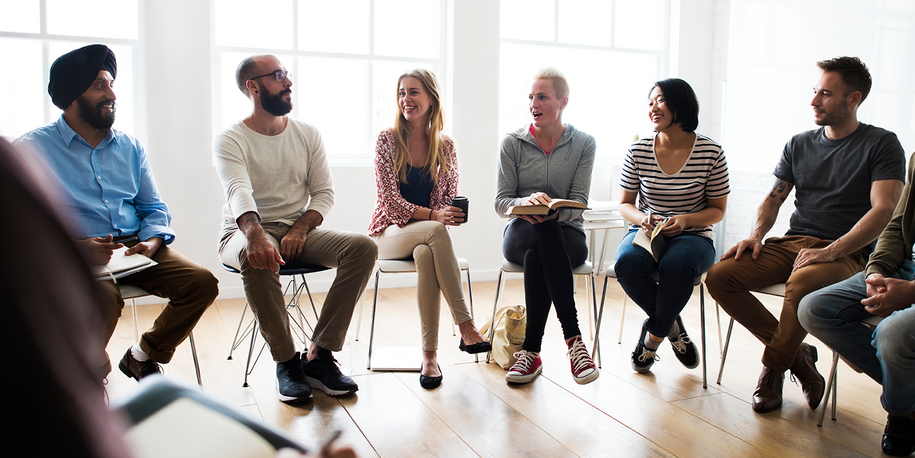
x=685, y=257
x=833, y=314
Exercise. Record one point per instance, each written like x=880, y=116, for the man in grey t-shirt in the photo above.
x=848, y=177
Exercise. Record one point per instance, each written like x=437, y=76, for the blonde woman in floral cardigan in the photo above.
x=417, y=176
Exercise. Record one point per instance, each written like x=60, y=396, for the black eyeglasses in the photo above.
x=280, y=75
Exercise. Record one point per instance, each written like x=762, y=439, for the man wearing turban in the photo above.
x=113, y=202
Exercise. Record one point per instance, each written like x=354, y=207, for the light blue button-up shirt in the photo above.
x=111, y=186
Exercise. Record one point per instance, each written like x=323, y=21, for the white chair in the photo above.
x=508, y=267
x=698, y=281
x=131, y=293
x=400, y=266
x=777, y=290
x=293, y=308
x=832, y=383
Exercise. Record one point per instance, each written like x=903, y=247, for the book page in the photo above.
x=188, y=429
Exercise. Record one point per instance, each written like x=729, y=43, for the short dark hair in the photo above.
x=854, y=74
x=246, y=70
x=682, y=101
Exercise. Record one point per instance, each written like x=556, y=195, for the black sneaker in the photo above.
x=642, y=357
x=138, y=369
x=291, y=384
x=324, y=375
x=684, y=348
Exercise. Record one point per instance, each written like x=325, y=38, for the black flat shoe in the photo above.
x=428, y=382
x=480, y=347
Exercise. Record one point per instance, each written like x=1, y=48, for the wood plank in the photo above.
x=398, y=424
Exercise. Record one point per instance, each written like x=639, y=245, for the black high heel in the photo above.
x=479, y=347
x=428, y=382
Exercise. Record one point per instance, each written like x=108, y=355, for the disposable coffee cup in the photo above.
x=462, y=203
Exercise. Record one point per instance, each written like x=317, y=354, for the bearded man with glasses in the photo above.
x=278, y=190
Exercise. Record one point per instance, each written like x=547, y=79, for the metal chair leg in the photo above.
x=368, y=364
x=724, y=351
x=600, y=316
x=495, y=305
x=831, y=387
x=702, y=321
x=194, y=354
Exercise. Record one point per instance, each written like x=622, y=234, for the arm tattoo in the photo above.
x=779, y=188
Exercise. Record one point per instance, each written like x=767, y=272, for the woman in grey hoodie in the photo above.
x=540, y=162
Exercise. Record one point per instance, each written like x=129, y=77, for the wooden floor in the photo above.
x=475, y=413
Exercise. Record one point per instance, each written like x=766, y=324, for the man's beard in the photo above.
x=835, y=116
x=274, y=103
x=94, y=115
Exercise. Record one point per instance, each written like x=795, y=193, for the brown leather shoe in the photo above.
x=768, y=394
x=812, y=383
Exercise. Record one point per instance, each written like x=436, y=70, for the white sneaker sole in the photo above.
x=587, y=378
x=315, y=383
x=523, y=378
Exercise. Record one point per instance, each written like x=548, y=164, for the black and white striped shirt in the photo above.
x=703, y=176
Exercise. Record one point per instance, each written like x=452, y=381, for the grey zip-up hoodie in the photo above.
x=565, y=173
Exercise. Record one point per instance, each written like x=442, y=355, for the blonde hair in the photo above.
x=560, y=84
x=437, y=165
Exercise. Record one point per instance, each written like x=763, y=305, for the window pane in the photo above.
x=20, y=16
x=585, y=22
x=333, y=96
x=596, y=105
x=93, y=18
x=407, y=28
x=640, y=24
x=338, y=26
x=528, y=19
x=235, y=105
x=27, y=98
x=234, y=26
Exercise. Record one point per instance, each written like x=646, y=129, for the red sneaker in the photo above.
x=583, y=368
x=526, y=368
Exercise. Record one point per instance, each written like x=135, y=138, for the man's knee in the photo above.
x=364, y=249
x=895, y=338
x=717, y=277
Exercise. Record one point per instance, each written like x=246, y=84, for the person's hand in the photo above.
x=449, y=216
x=754, y=245
x=876, y=286
x=538, y=198
x=293, y=242
x=262, y=254
x=147, y=248
x=98, y=250
x=891, y=294
x=673, y=227
x=809, y=256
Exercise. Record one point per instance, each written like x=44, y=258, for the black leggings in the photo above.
x=548, y=252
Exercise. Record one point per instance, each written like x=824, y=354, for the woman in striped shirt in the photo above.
x=681, y=181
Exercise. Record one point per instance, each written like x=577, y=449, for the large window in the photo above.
x=33, y=33
x=344, y=57
x=610, y=51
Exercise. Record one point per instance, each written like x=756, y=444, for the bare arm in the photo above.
x=765, y=219
x=884, y=195
x=261, y=253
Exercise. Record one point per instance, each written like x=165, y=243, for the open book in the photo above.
x=122, y=265
x=654, y=244
x=555, y=204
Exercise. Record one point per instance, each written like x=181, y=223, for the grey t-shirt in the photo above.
x=832, y=178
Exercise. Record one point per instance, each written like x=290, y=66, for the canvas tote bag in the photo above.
x=511, y=322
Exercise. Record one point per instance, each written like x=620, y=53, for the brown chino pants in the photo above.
x=353, y=255
x=730, y=282
x=189, y=288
